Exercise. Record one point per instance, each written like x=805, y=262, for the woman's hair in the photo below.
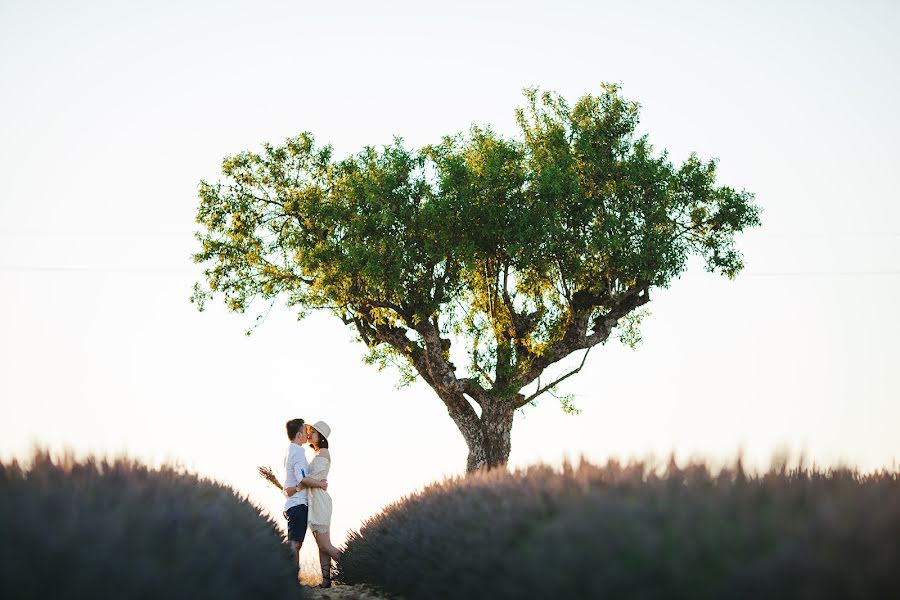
x=322, y=443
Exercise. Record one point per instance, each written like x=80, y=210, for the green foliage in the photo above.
x=503, y=243
x=385, y=356
x=635, y=531
x=566, y=401
x=101, y=529
x=630, y=328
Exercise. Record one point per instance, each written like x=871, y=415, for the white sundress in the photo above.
x=319, y=500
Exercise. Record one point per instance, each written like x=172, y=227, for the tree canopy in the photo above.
x=522, y=249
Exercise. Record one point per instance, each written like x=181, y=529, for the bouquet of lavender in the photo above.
x=267, y=474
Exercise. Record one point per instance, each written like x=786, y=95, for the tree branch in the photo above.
x=604, y=324
x=482, y=370
x=474, y=390
x=440, y=369
x=576, y=336
x=522, y=402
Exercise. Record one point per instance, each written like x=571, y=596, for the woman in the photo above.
x=319, y=503
x=319, y=500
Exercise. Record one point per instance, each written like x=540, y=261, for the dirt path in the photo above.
x=344, y=592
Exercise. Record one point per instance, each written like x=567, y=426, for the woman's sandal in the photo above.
x=326, y=578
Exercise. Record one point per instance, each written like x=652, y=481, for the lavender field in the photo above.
x=97, y=528
x=632, y=531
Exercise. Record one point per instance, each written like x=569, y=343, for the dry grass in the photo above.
x=635, y=531
x=310, y=572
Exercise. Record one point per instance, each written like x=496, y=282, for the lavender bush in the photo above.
x=632, y=531
x=118, y=529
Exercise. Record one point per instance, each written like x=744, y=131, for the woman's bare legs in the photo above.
x=325, y=566
x=323, y=539
x=326, y=553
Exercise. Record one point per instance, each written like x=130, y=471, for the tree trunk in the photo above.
x=489, y=439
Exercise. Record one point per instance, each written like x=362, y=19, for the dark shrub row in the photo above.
x=100, y=529
x=634, y=532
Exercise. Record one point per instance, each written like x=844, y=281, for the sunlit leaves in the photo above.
x=384, y=356
x=630, y=328
x=505, y=243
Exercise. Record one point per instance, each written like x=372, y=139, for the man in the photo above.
x=295, y=484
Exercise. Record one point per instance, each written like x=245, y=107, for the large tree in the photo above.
x=521, y=251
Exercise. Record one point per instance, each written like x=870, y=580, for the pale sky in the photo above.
x=110, y=114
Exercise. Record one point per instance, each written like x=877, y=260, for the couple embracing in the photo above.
x=307, y=502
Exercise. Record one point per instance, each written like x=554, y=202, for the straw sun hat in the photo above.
x=323, y=428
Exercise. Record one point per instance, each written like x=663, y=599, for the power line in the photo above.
x=808, y=234
x=754, y=233
x=90, y=269
x=61, y=269
x=96, y=233
x=822, y=274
